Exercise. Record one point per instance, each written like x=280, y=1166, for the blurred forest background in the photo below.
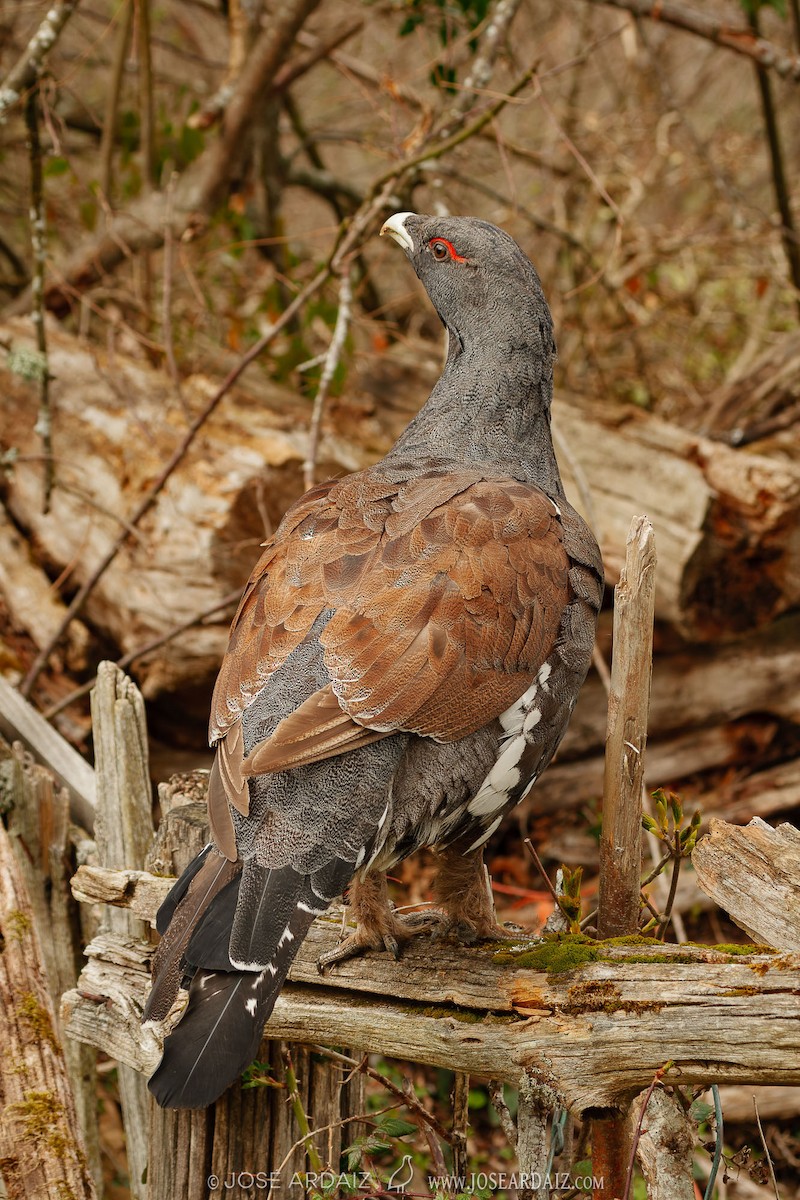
x=197, y=320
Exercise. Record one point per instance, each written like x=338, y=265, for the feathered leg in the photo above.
x=462, y=890
x=377, y=926
x=465, y=909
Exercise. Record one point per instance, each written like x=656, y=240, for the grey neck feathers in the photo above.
x=490, y=409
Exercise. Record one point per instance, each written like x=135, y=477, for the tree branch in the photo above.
x=27, y=69
x=714, y=29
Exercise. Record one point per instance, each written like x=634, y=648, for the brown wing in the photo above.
x=447, y=594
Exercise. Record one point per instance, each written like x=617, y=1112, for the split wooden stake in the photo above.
x=621, y=838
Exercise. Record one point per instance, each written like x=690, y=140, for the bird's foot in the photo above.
x=389, y=932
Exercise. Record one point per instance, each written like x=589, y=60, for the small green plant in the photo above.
x=679, y=839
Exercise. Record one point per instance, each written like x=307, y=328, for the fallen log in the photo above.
x=118, y=421
x=753, y=873
x=728, y=560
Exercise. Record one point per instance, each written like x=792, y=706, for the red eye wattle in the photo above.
x=441, y=249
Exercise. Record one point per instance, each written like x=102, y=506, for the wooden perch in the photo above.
x=41, y=1148
x=594, y=1033
x=754, y=874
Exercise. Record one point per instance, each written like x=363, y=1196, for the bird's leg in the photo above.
x=377, y=926
x=462, y=890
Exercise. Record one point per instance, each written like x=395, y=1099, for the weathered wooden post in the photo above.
x=621, y=837
x=124, y=834
x=41, y=1146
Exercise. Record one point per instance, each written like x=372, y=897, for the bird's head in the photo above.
x=484, y=288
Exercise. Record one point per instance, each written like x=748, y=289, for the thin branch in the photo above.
x=673, y=888
x=501, y=1108
x=147, y=648
x=113, y=93
x=332, y=357
x=780, y=185
x=408, y=1096
x=529, y=846
x=714, y=29
x=150, y=498
x=718, y=1142
x=659, y=1075
x=26, y=71
x=300, y=1117
x=166, y=298
x=44, y=423
x=766, y=1151
x=494, y=35
x=146, y=103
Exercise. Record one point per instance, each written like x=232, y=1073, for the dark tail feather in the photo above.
x=202, y=881
x=220, y=1032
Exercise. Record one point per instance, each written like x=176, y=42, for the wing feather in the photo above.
x=446, y=593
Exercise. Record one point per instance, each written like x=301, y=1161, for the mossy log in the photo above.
x=593, y=1020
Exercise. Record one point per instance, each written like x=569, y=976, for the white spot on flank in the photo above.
x=306, y=908
x=545, y=671
x=251, y=1006
x=556, y=509
x=533, y=718
x=511, y=720
x=383, y=817
x=504, y=775
x=286, y=936
x=362, y=854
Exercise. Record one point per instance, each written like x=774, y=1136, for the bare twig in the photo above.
x=362, y=1116
x=150, y=498
x=332, y=358
x=26, y=71
x=529, y=846
x=166, y=298
x=146, y=103
x=407, y=1095
x=492, y=39
x=44, y=424
x=714, y=28
x=673, y=888
x=501, y=1108
x=766, y=1151
x=783, y=199
x=113, y=92
x=718, y=1142
x=147, y=648
x=460, y=1105
x=300, y=1117
x=659, y=1075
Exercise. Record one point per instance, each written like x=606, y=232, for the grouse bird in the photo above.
x=402, y=666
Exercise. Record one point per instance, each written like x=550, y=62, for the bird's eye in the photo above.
x=440, y=249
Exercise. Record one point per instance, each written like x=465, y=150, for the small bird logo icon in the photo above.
x=397, y=1184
